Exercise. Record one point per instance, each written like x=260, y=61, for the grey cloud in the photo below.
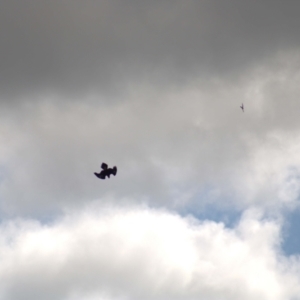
x=76, y=47
x=177, y=132
x=189, y=146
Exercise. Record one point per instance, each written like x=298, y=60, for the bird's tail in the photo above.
x=114, y=172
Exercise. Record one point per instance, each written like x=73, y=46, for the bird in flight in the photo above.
x=242, y=107
x=106, y=171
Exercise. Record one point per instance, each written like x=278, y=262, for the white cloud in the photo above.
x=139, y=253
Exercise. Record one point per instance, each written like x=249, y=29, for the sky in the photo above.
x=205, y=204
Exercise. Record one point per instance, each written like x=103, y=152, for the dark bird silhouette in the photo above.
x=106, y=171
x=242, y=107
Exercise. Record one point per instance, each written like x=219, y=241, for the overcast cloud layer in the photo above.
x=74, y=47
x=154, y=88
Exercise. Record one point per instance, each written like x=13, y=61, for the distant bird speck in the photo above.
x=106, y=171
x=242, y=107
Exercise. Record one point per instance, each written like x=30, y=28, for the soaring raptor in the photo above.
x=106, y=171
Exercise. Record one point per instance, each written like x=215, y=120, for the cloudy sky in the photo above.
x=205, y=204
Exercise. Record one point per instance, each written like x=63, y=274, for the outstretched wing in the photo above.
x=102, y=174
x=104, y=166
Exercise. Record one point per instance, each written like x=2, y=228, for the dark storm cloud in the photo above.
x=74, y=46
